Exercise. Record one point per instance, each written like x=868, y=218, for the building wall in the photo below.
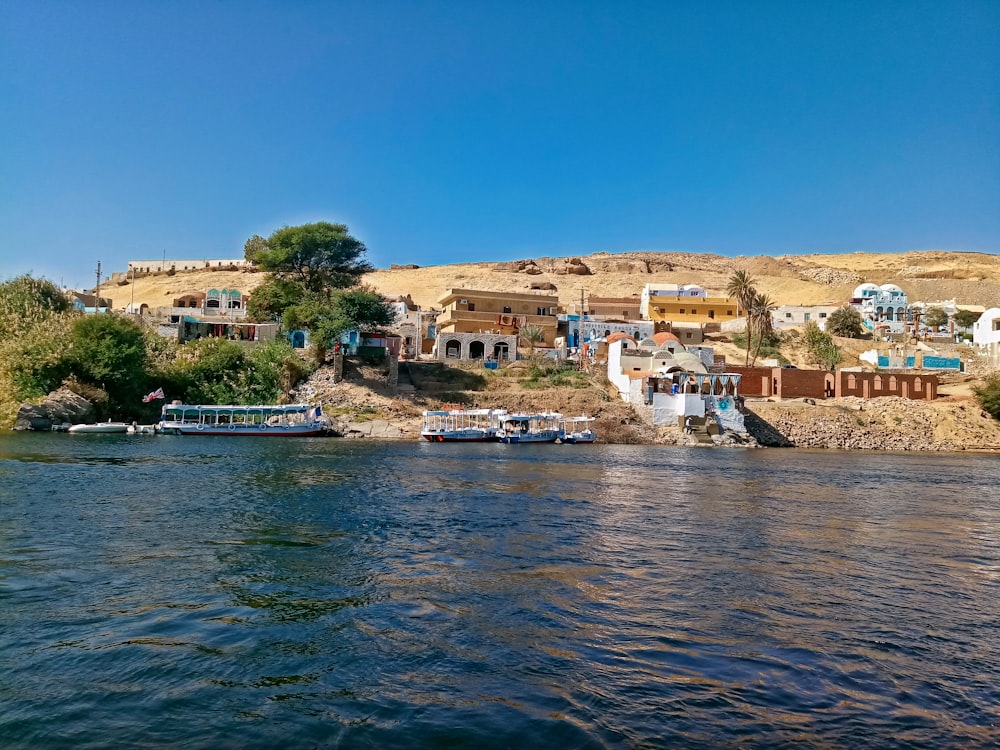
x=467, y=346
x=149, y=266
x=793, y=383
x=874, y=385
x=798, y=315
x=500, y=313
x=678, y=310
x=755, y=381
x=617, y=308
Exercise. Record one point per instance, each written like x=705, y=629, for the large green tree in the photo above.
x=313, y=283
x=328, y=316
x=109, y=351
x=935, y=317
x=965, y=318
x=845, y=322
x=319, y=256
x=820, y=346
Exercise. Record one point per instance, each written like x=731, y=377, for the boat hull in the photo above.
x=454, y=437
x=237, y=430
x=546, y=436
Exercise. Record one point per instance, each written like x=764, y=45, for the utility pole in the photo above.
x=131, y=307
x=579, y=333
x=97, y=289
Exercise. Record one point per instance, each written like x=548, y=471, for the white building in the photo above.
x=885, y=307
x=986, y=335
x=788, y=316
x=682, y=291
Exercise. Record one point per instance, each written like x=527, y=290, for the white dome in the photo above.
x=890, y=288
x=690, y=362
x=860, y=290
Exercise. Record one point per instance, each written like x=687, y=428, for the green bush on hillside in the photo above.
x=989, y=395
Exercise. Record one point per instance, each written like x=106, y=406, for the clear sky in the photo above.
x=442, y=132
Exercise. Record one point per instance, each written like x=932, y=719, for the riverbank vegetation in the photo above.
x=112, y=360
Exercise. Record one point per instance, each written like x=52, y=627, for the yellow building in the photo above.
x=473, y=311
x=686, y=305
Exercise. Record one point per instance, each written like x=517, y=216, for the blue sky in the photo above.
x=442, y=132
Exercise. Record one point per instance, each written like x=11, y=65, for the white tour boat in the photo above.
x=530, y=428
x=294, y=420
x=461, y=425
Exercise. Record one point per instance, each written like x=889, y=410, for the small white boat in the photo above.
x=108, y=426
x=141, y=429
x=530, y=428
x=461, y=425
x=578, y=430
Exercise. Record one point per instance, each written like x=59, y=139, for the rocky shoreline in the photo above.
x=366, y=410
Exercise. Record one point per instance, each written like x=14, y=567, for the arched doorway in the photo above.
x=501, y=350
x=477, y=350
x=453, y=349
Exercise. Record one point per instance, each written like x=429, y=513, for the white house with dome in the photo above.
x=886, y=307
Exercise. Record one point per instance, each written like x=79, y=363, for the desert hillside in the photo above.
x=928, y=276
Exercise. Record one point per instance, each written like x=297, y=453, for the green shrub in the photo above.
x=988, y=395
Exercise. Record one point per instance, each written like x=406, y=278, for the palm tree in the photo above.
x=760, y=321
x=531, y=335
x=742, y=288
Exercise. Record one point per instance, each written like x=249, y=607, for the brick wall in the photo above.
x=756, y=381
x=794, y=383
x=875, y=384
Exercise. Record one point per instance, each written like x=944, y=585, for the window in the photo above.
x=788, y=316
x=711, y=314
x=682, y=311
x=822, y=315
x=506, y=308
x=687, y=334
x=625, y=314
x=472, y=307
x=807, y=317
x=540, y=311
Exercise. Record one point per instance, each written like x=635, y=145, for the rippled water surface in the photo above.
x=205, y=592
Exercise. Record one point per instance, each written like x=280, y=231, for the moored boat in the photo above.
x=577, y=429
x=294, y=420
x=98, y=427
x=461, y=425
x=530, y=428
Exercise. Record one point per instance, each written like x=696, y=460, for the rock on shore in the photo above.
x=58, y=407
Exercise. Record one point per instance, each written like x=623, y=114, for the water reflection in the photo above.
x=197, y=591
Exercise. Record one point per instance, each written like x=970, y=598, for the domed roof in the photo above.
x=890, y=288
x=862, y=288
x=618, y=336
x=690, y=362
x=663, y=337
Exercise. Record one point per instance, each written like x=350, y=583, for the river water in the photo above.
x=249, y=593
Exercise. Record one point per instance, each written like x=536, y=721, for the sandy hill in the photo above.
x=929, y=276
